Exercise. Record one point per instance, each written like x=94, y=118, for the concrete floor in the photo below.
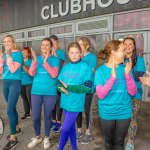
x=142, y=141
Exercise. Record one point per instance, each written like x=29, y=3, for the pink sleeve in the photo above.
x=13, y=66
x=131, y=86
x=1, y=64
x=52, y=71
x=102, y=91
x=32, y=69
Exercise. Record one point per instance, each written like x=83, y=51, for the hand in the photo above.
x=64, y=84
x=34, y=56
x=128, y=66
x=54, y=52
x=113, y=73
x=146, y=80
x=47, y=55
x=64, y=90
x=8, y=52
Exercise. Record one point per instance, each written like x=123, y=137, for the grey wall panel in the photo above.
x=19, y=14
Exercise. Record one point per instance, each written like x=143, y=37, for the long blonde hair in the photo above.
x=13, y=40
x=86, y=42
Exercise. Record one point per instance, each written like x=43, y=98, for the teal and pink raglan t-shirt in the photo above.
x=114, y=93
x=45, y=74
x=12, y=66
x=74, y=74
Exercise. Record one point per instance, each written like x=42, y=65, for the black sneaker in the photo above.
x=18, y=132
x=11, y=145
x=26, y=116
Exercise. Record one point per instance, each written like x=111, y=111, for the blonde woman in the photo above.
x=10, y=68
x=90, y=59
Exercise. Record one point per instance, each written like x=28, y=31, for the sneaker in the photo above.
x=46, y=143
x=129, y=146
x=34, y=141
x=11, y=145
x=26, y=116
x=18, y=132
x=86, y=139
x=57, y=127
x=79, y=135
x=52, y=125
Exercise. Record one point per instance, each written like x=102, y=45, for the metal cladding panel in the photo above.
x=19, y=14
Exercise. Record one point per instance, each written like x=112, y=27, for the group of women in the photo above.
x=57, y=84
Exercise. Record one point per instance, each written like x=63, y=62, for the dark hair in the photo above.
x=111, y=45
x=53, y=37
x=75, y=45
x=27, y=49
x=134, y=55
x=47, y=39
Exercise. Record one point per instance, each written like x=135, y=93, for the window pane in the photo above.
x=18, y=36
x=1, y=38
x=36, y=33
x=35, y=46
x=21, y=45
x=60, y=30
x=136, y=20
x=64, y=42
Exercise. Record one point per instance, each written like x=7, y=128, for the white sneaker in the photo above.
x=34, y=141
x=46, y=143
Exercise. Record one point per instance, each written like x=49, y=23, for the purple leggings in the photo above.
x=68, y=130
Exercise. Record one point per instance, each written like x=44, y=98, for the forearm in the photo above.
x=32, y=69
x=131, y=86
x=25, y=68
x=13, y=66
x=85, y=88
x=102, y=91
x=52, y=71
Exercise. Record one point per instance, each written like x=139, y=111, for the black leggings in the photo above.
x=26, y=96
x=57, y=110
x=115, y=132
x=87, y=106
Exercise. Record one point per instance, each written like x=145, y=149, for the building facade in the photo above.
x=99, y=20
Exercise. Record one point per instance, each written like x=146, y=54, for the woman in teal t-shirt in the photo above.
x=75, y=77
x=45, y=70
x=138, y=70
x=90, y=59
x=114, y=87
x=10, y=68
x=26, y=82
